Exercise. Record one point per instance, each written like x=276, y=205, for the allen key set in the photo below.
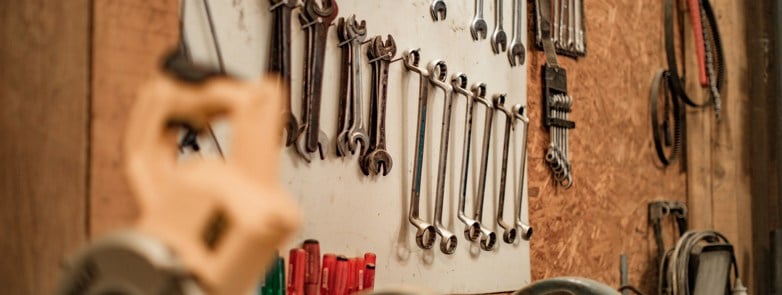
x=436, y=74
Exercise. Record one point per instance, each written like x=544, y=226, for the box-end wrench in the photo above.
x=324, y=16
x=346, y=91
x=488, y=237
x=518, y=114
x=280, y=59
x=438, y=10
x=425, y=235
x=478, y=26
x=516, y=51
x=357, y=32
x=499, y=40
x=509, y=234
x=379, y=160
x=438, y=75
x=459, y=83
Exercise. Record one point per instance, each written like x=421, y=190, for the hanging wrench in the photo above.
x=499, y=41
x=516, y=51
x=346, y=92
x=280, y=59
x=555, y=20
x=459, y=83
x=571, y=31
x=478, y=26
x=323, y=17
x=579, y=26
x=378, y=157
x=357, y=32
x=438, y=73
x=487, y=240
x=425, y=235
x=306, y=94
x=518, y=114
x=509, y=236
x=438, y=10
x=563, y=15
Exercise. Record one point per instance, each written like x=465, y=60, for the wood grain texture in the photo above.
x=44, y=129
x=582, y=231
x=129, y=39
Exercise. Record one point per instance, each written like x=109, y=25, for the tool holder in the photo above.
x=579, y=50
x=554, y=83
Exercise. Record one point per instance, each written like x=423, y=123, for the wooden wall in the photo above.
x=44, y=113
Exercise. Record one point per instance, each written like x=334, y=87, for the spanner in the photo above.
x=488, y=240
x=571, y=30
x=378, y=158
x=579, y=26
x=499, y=41
x=563, y=15
x=346, y=91
x=425, y=235
x=280, y=59
x=518, y=114
x=478, y=26
x=438, y=75
x=509, y=235
x=323, y=16
x=516, y=51
x=357, y=32
x=438, y=10
x=459, y=83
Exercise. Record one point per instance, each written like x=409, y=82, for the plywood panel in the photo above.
x=43, y=139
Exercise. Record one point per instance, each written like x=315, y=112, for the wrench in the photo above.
x=563, y=10
x=571, y=31
x=555, y=20
x=459, y=83
x=357, y=32
x=438, y=73
x=516, y=51
x=499, y=41
x=489, y=238
x=343, y=134
x=379, y=158
x=302, y=135
x=518, y=114
x=509, y=235
x=579, y=26
x=425, y=235
x=438, y=10
x=280, y=59
x=478, y=26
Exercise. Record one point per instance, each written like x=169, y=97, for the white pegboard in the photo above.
x=351, y=213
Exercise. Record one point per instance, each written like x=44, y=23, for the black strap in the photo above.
x=670, y=52
x=662, y=80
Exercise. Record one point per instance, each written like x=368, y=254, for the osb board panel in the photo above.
x=130, y=37
x=44, y=53
x=582, y=231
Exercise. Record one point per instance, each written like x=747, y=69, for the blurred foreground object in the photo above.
x=208, y=226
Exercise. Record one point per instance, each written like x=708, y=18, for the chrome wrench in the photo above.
x=516, y=51
x=459, y=83
x=518, y=114
x=499, y=40
x=478, y=26
x=488, y=124
x=357, y=32
x=509, y=234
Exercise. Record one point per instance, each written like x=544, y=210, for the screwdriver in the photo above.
x=312, y=271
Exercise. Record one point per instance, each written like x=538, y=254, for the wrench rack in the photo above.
x=556, y=108
x=567, y=27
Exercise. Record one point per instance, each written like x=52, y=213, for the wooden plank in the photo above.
x=129, y=39
x=44, y=117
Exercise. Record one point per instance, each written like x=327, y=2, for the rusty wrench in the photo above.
x=378, y=156
x=323, y=17
x=280, y=59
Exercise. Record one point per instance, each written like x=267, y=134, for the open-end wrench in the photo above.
x=499, y=40
x=357, y=32
x=306, y=94
x=379, y=160
x=280, y=59
x=438, y=75
x=323, y=17
x=516, y=51
x=438, y=10
x=478, y=26
x=459, y=83
x=425, y=235
x=518, y=114
x=346, y=91
x=509, y=234
x=488, y=237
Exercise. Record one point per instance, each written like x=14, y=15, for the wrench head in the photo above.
x=509, y=236
x=323, y=144
x=438, y=74
x=412, y=60
x=356, y=31
x=516, y=53
x=526, y=230
x=479, y=29
x=438, y=10
x=379, y=161
x=327, y=12
x=448, y=242
x=488, y=240
x=499, y=41
x=358, y=137
x=301, y=144
x=343, y=144
x=459, y=82
x=291, y=129
x=472, y=231
x=425, y=234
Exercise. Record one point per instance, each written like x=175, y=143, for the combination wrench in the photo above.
x=280, y=59
x=478, y=26
x=438, y=10
x=499, y=40
x=509, y=234
x=487, y=240
x=438, y=75
x=516, y=51
x=518, y=114
x=378, y=160
x=425, y=235
x=357, y=32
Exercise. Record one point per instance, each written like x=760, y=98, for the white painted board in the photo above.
x=350, y=213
